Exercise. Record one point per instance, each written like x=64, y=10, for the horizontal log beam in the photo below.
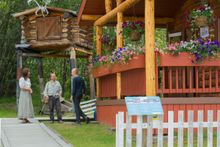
x=121, y=8
x=83, y=51
x=158, y=21
x=51, y=55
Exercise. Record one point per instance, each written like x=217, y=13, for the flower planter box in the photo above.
x=101, y=71
x=135, y=63
x=186, y=59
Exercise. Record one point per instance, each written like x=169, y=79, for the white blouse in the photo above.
x=24, y=83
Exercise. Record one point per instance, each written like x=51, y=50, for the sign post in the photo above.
x=145, y=106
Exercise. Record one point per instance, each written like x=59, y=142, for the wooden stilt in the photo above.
x=119, y=44
x=19, y=72
x=73, y=58
x=40, y=76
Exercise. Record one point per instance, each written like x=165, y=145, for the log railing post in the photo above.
x=119, y=44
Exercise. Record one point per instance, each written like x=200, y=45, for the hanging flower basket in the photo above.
x=201, y=21
x=135, y=36
x=133, y=30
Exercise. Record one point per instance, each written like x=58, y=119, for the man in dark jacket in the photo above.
x=78, y=90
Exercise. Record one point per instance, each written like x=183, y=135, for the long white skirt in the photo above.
x=25, y=106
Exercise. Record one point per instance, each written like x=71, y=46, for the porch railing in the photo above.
x=187, y=79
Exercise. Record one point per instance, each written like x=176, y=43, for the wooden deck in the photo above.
x=36, y=134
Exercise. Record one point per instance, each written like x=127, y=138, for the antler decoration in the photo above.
x=42, y=9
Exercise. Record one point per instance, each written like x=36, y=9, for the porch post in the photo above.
x=119, y=44
x=150, y=70
x=98, y=52
x=149, y=48
x=91, y=79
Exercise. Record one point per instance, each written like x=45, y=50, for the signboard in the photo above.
x=144, y=105
x=204, y=32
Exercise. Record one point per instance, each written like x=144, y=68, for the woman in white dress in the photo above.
x=25, y=106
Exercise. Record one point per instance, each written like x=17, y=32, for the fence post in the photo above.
x=149, y=131
x=117, y=131
x=170, y=128
x=210, y=128
x=139, y=131
x=190, y=129
x=218, y=130
x=200, y=129
x=128, y=131
x=180, y=128
x=121, y=129
x=160, y=132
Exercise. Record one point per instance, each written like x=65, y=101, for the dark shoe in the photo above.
x=76, y=123
x=87, y=120
x=60, y=121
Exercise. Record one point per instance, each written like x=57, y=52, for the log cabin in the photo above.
x=55, y=35
x=181, y=84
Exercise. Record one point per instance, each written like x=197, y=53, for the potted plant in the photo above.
x=133, y=30
x=108, y=41
x=201, y=16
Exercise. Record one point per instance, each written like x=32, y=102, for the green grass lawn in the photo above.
x=92, y=135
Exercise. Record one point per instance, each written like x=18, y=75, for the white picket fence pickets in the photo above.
x=124, y=130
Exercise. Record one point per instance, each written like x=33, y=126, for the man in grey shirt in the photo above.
x=53, y=91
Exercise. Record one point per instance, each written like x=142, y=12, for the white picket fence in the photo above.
x=124, y=130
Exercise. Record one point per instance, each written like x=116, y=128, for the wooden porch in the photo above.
x=181, y=85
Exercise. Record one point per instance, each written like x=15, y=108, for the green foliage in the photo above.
x=10, y=35
x=161, y=38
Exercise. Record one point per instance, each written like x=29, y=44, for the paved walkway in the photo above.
x=35, y=134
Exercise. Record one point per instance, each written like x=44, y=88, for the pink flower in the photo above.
x=172, y=47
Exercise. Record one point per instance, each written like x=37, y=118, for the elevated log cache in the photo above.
x=57, y=31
